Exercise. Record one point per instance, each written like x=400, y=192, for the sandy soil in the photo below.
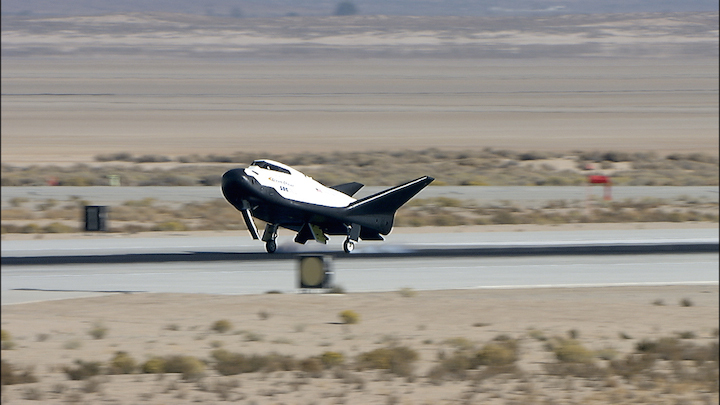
x=304, y=325
x=72, y=111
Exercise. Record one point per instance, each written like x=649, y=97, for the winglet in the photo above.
x=348, y=188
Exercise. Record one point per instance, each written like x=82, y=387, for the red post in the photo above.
x=597, y=179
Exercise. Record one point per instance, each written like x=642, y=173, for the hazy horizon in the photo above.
x=280, y=8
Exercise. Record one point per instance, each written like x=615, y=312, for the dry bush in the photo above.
x=349, y=317
x=190, y=367
x=581, y=370
x=572, y=351
x=486, y=167
x=332, y=359
x=98, y=330
x=83, y=370
x=154, y=365
x=221, y=326
x=397, y=359
x=10, y=375
x=229, y=363
x=500, y=353
x=122, y=363
x=632, y=365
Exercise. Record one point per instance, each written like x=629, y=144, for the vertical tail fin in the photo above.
x=378, y=210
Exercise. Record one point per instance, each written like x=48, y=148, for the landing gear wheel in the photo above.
x=348, y=245
x=271, y=246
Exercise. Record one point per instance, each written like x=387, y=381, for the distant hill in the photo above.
x=281, y=8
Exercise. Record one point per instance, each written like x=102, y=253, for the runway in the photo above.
x=376, y=266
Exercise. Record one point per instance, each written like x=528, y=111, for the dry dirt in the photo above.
x=304, y=325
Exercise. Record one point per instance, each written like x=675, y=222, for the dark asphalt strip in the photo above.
x=407, y=251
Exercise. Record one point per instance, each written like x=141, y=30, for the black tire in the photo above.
x=348, y=246
x=271, y=246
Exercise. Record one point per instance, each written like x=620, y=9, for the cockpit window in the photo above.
x=268, y=166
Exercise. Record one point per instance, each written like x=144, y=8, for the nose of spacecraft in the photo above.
x=236, y=185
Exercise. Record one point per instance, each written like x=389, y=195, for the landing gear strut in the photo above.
x=348, y=245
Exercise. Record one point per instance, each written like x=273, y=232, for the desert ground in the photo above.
x=77, y=87
x=610, y=322
x=71, y=93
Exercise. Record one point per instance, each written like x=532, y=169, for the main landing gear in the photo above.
x=348, y=245
x=269, y=237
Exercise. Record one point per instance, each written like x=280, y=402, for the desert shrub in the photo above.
x=632, y=365
x=9, y=375
x=332, y=359
x=581, y=370
x=170, y=226
x=221, y=326
x=72, y=344
x=313, y=366
x=398, y=359
x=686, y=335
x=572, y=351
x=537, y=335
x=455, y=366
x=407, y=292
x=83, y=370
x=6, y=340
x=57, y=227
x=151, y=159
x=672, y=348
x=98, y=330
x=229, y=363
x=122, y=363
x=686, y=302
x=349, y=317
x=190, y=367
x=120, y=156
x=254, y=337
x=498, y=353
x=154, y=365
x=459, y=343
x=33, y=394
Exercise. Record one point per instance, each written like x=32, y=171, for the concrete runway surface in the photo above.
x=20, y=283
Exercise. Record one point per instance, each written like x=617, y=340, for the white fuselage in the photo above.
x=294, y=185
